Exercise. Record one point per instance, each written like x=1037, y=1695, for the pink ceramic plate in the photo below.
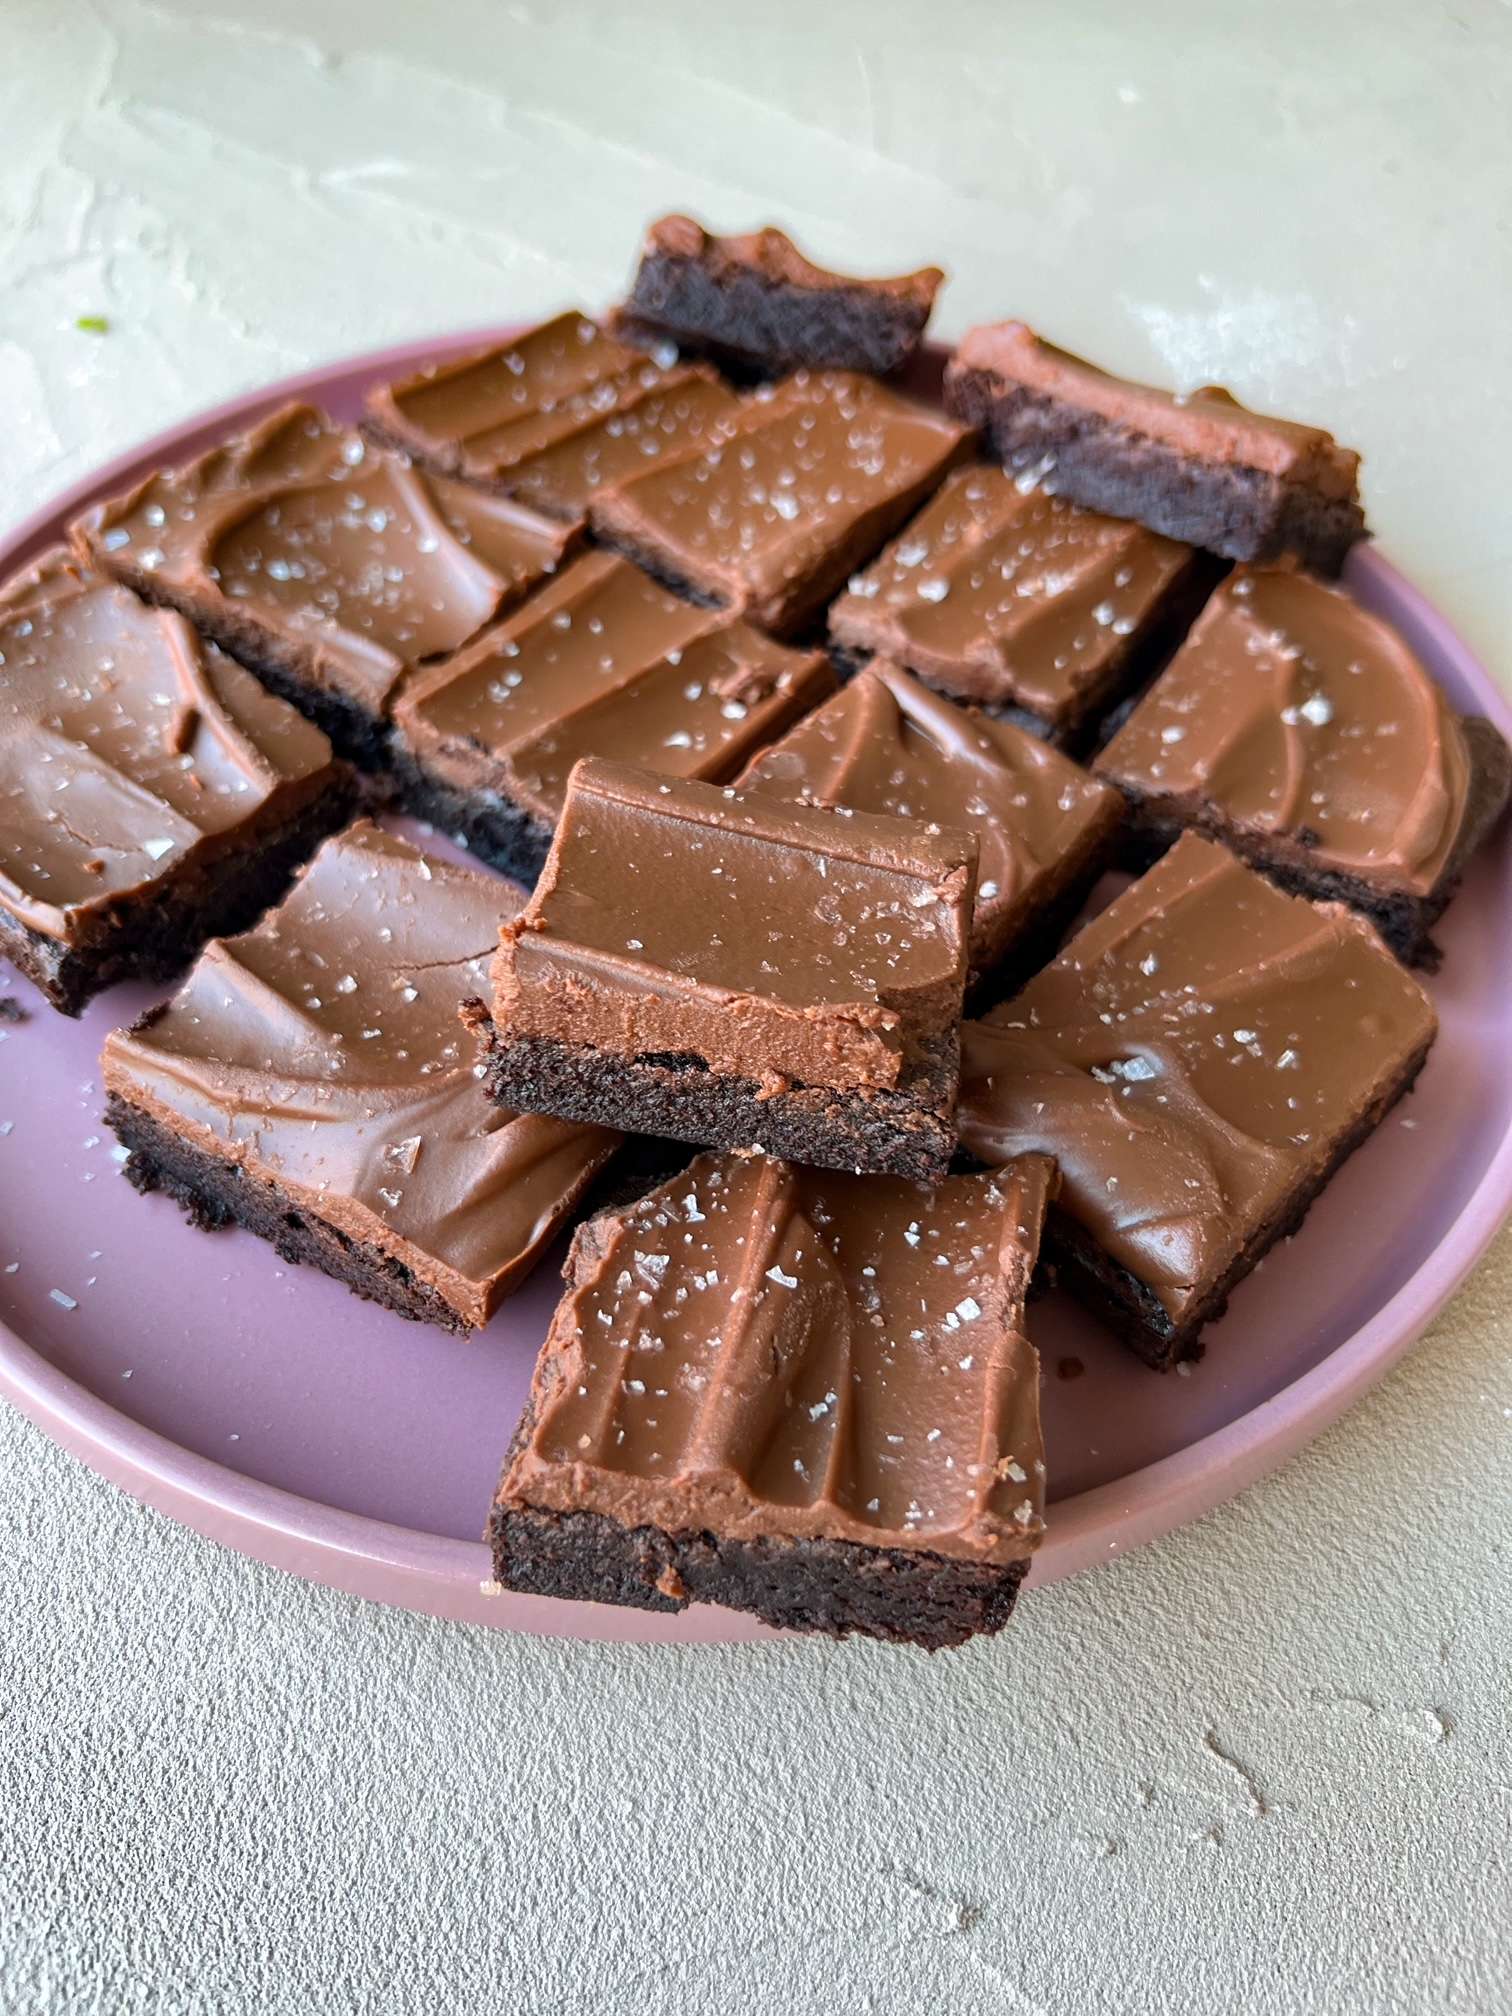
x=268, y=1408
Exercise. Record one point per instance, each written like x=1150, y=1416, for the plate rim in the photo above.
x=444, y=1577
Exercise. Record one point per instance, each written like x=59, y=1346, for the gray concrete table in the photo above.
x=1263, y=1766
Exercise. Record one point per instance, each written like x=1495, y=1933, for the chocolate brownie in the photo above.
x=1199, y=1060
x=549, y=417
x=808, y=1396
x=327, y=564
x=1305, y=733
x=1022, y=602
x=885, y=743
x=602, y=662
x=1195, y=466
x=311, y=1082
x=756, y=303
x=151, y=793
x=797, y=491
x=721, y=968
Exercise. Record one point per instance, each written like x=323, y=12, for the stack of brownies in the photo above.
x=772, y=676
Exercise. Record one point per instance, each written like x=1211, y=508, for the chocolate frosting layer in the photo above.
x=885, y=743
x=551, y=416
x=1000, y=593
x=664, y=420
x=315, y=536
x=802, y=484
x=481, y=411
x=759, y=1349
x=773, y=941
x=1208, y=422
x=323, y=1051
x=1191, y=1060
x=128, y=747
x=604, y=662
x=776, y=259
x=1292, y=711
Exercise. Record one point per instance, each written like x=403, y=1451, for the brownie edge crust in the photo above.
x=830, y=1586
x=1232, y=509
x=213, y=1192
x=908, y=1132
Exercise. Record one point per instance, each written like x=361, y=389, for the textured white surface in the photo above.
x=1266, y=1765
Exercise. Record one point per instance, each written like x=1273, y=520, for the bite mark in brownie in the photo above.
x=1199, y=1059
x=151, y=793
x=604, y=661
x=1197, y=466
x=1000, y=594
x=549, y=417
x=1303, y=732
x=807, y=1396
x=310, y=1082
x=798, y=490
x=756, y=303
x=884, y=743
x=745, y=967
x=326, y=563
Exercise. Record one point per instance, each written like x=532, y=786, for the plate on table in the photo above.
x=267, y=1407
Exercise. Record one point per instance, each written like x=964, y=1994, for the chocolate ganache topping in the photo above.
x=604, y=661
x=885, y=743
x=1292, y=711
x=1194, y=1057
x=1000, y=593
x=550, y=416
x=304, y=530
x=127, y=746
x=761, y=1349
x=803, y=484
x=323, y=1051
x=681, y=918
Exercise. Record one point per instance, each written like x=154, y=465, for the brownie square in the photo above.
x=604, y=662
x=1199, y=1060
x=757, y=304
x=151, y=793
x=805, y=1395
x=722, y=968
x=1304, y=733
x=312, y=1083
x=549, y=417
x=1044, y=828
x=1196, y=466
x=327, y=564
x=799, y=489
x=1002, y=594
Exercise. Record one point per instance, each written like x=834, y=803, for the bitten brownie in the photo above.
x=807, y=1396
x=725, y=969
x=549, y=417
x=797, y=491
x=1304, y=733
x=1028, y=605
x=603, y=662
x=755, y=302
x=327, y=564
x=1199, y=1060
x=885, y=743
x=151, y=793
x=1196, y=466
x=312, y=1083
